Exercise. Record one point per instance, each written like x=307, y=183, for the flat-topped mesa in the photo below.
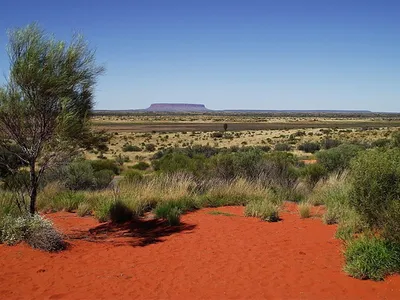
x=177, y=107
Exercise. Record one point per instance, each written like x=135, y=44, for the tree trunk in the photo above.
x=33, y=188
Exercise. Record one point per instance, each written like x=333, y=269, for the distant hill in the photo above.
x=177, y=107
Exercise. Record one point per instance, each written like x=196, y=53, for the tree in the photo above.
x=46, y=103
x=225, y=127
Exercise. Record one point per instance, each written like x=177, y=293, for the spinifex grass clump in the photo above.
x=35, y=230
x=304, y=210
x=372, y=258
x=169, y=211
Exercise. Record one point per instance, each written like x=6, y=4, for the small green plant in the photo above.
x=304, y=210
x=102, y=209
x=220, y=213
x=372, y=258
x=168, y=211
x=265, y=210
x=142, y=165
x=37, y=231
x=133, y=176
x=131, y=148
x=120, y=212
x=84, y=209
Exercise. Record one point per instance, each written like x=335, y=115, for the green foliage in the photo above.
x=105, y=164
x=380, y=143
x=396, y=139
x=131, y=148
x=338, y=159
x=84, y=209
x=35, y=230
x=103, y=178
x=46, y=103
x=372, y=258
x=150, y=147
x=119, y=212
x=283, y=147
x=375, y=193
x=329, y=143
x=132, y=176
x=309, y=147
x=312, y=173
x=304, y=210
x=79, y=176
x=142, y=165
x=263, y=209
x=102, y=209
x=169, y=211
x=221, y=213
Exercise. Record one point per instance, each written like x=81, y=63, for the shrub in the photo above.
x=35, y=230
x=371, y=258
x=380, y=143
x=312, y=173
x=120, y=212
x=217, y=135
x=84, y=209
x=150, y=147
x=105, y=164
x=329, y=143
x=304, y=210
x=264, y=209
x=309, y=147
x=79, y=176
x=141, y=166
x=283, y=147
x=338, y=159
x=103, y=178
x=375, y=194
x=131, y=148
x=168, y=211
x=102, y=209
x=132, y=176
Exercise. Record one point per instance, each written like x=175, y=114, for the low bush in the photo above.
x=142, y=165
x=283, y=147
x=169, y=211
x=79, y=175
x=131, y=148
x=105, y=164
x=35, y=230
x=132, y=176
x=309, y=147
x=103, y=178
x=84, y=209
x=264, y=209
x=150, y=147
x=312, y=173
x=338, y=159
x=371, y=258
x=119, y=212
x=375, y=194
x=304, y=210
x=329, y=143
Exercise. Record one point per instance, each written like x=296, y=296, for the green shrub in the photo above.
x=105, y=164
x=142, y=165
x=329, y=143
x=380, y=143
x=17, y=182
x=150, y=147
x=35, y=230
x=217, y=134
x=304, y=210
x=84, y=209
x=63, y=200
x=283, y=147
x=309, y=147
x=120, y=212
x=168, y=211
x=338, y=159
x=103, y=178
x=312, y=173
x=375, y=194
x=371, y=258
x=102, y=209
x=131, y=148
x=132, y=176
x=79, y=176
x=264, y=209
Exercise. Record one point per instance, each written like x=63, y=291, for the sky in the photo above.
x=249, y=54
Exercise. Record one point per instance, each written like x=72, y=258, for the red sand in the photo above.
x=209, y=257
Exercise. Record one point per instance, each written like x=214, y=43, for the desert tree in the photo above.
x=46, y=102
x=225, y=127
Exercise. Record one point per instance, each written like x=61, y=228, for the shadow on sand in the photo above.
x=137, y=233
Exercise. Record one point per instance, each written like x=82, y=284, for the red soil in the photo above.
x=208, y=257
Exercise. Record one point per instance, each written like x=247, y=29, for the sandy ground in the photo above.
x=207, y=257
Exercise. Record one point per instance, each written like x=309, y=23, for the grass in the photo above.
x=304, y=210
x=170, y=212
x=371, y=258
x=220, y=213
x=264, y=209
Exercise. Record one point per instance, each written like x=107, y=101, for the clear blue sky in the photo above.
x=286, y=54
